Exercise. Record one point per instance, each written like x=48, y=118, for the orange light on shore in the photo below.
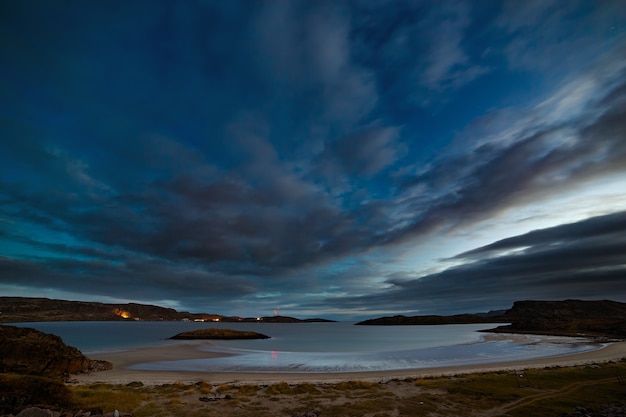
x=122, y=313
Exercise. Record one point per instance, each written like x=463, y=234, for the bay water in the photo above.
x=315, y=347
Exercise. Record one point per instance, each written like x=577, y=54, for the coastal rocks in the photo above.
x=38, y=412
x=31, y=352
x=99, y=366
x=33, y=366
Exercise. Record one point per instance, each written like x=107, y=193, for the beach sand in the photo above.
x=123, y=360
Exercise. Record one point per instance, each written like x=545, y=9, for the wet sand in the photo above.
x=122, y=360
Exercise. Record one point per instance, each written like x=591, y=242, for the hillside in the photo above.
x=25, y=309
x=430, y=320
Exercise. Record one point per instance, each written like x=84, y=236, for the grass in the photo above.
x=108, y=397
x=550, y=392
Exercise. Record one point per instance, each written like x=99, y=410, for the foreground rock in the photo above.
x=219, y=334
x=33, y=366
x=28, y=351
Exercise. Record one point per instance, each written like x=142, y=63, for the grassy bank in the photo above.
x=538, y=392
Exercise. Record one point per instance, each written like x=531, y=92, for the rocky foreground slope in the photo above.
x=31, y=352
x=33, y=366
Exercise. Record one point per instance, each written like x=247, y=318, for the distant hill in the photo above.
x=569, y=318
x=26, y=309
x=431, y=320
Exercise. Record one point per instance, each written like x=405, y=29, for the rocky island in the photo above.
x=218, y=334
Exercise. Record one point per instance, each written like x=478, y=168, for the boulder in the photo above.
x=38, y=412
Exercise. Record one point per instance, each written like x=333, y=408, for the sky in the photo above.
x=337, y=159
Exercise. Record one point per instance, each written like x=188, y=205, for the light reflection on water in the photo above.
x=328, y=362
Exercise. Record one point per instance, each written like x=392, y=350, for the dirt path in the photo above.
x=531, y=399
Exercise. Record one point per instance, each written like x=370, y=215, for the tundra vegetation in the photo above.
x=545, y=392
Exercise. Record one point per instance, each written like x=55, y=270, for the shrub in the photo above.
x=20, y=391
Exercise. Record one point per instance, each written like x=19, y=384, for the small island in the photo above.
x=218, y=334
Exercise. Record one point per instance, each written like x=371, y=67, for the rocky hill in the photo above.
x=23, y=309
x=568, y=317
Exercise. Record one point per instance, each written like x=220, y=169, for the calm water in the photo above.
x=315, y=347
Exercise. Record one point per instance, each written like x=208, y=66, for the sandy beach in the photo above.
x=123, y=360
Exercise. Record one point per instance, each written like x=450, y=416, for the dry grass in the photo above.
x=545, y=392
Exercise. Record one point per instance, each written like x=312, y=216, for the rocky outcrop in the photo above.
x=31, y=352
x=569, y=317
x=219, y=334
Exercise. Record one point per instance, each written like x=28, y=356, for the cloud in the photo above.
x=364, y=153
x=537, y=159
x=544, y=32
x=299, y=152
x=583, y=259
x=417, y=48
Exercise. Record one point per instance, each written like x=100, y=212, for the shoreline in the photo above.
x=122, y=360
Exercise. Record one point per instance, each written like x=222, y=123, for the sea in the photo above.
x=316, y=347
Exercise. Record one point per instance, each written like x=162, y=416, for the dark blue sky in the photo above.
x=339, y=159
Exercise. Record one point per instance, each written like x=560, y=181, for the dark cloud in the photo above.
x=580, y=260
x=610, y=228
